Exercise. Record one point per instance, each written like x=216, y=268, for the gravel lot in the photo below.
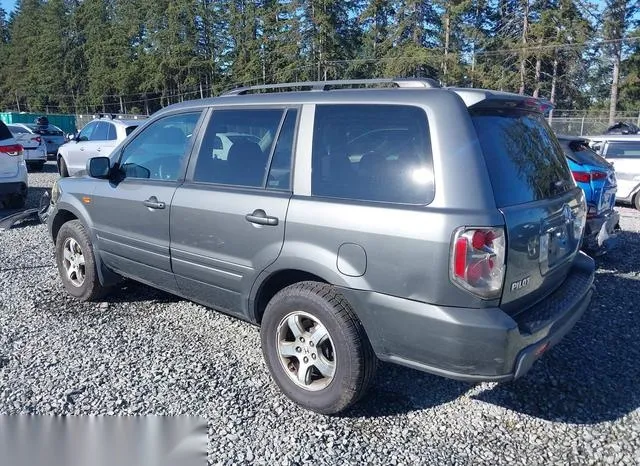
x=146, y=352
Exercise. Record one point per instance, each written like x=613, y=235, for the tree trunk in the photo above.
x=121, y=106
x=614, y=87
x=536, y=91
x=554, y=82
x=523, y=58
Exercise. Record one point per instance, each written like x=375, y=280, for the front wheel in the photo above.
x=76, y=263
x=316, y=348
x=62, y=168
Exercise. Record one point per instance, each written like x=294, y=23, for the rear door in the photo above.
x=131, y=212
x=228, y=218
x=625, y=156
x=544, y=210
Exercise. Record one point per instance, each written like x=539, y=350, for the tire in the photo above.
x=345, y=354
x=84, y=283
x=62, y=168
x=636, y=201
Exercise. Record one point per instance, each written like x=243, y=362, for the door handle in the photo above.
x=153, y=203
x=259, y=217
x=99, y=149
x=82, y=149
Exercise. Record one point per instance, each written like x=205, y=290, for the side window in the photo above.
x=280, y=170
x=111, y=132
x=101, y=132
x=623, y=150
x=236, y=147
x=158, y=152
x=372, y=153
x=87, y=132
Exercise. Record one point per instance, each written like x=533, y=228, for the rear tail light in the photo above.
x=478, y=260
x=598, y=176
x=37, y=139
x=581, y=177
x=13, y=150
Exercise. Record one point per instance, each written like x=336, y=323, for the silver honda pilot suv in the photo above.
x=353, y=221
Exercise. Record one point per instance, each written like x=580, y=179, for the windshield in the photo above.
x=523, y=156
x=17, y=129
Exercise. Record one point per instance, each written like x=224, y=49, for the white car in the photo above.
x=224, y=141
x=35, y=149
x=97, y=138
x=623, y=151
x=13, y=171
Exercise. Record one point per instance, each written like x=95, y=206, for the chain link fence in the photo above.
x=576, y=124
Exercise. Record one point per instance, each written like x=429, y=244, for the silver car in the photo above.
x=623, y=152
x=52, y=136
x=98, y=137
x=35, y=147
x=431, y=227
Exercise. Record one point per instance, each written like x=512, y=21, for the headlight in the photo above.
x=55, y=192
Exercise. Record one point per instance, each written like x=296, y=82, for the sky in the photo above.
x=7, y=5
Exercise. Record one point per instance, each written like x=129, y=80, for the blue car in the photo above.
x=597, y=179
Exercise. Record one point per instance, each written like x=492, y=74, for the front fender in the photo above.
x=70, y=204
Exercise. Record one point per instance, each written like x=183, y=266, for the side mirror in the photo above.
x=71, y=136
x=99, y=167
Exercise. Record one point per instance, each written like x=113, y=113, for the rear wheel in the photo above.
x=316, y=348
x=62, y=168
x=636, y=201
x=76, y=263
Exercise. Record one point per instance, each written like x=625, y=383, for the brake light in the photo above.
x=581, y=177
x=13, y=150
x=37, y=139
x=478, y=260
x=598, y=175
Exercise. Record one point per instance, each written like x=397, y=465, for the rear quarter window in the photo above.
x=379, y=153
x=524, y=158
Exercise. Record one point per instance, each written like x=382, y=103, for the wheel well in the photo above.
x=62, y=217
x=277, y=282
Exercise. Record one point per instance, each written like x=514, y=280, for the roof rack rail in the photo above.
x=327, y=85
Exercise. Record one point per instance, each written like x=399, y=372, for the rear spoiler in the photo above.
x=479, y=98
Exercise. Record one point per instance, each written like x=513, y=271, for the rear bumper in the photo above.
x=601, y=232
x=16, y=187
x=473, y=344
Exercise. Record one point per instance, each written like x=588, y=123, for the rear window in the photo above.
x=627, y=150
x=377, y=153
x=46, y=130
x=17, y=129
x=524, y=159
x=4, y=132
x=580, y=152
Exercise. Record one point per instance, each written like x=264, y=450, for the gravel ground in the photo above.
x=146, y=352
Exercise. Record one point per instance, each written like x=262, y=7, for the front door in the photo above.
x=228, y=218
x=131, y=212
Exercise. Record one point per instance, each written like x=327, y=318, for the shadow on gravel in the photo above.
x=48, y=168
x=399, y=390
x=131, y=292
x=592, y=375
